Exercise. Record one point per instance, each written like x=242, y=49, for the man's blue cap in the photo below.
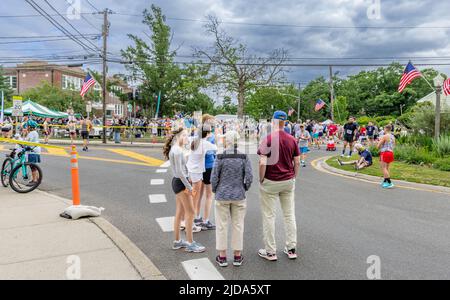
x=280, y=115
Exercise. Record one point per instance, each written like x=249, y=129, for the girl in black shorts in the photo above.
x=174, y=151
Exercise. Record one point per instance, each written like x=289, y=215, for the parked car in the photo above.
x=97, y=130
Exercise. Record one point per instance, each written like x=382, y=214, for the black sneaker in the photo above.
x=222, y=261
x=238, y=260
x=291, y=253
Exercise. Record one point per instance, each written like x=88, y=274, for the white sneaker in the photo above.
x=196, y=229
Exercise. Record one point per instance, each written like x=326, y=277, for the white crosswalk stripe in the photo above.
x=166, y=164
x=166, y=224
x=161, y=171
x=157, y=199
x=201, y=269
x=157, y=182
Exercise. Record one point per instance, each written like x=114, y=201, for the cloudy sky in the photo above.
x=313, y=31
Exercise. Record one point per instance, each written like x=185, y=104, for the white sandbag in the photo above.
x=80, y=211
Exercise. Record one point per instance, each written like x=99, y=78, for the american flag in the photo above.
x=409, y=75
x=447, y=87
x=88, y=83
x=320, y=104
x=291, y=111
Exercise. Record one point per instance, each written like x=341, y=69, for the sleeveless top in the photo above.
x=84, y=126
x=388, y=146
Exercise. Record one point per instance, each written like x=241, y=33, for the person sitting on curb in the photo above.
x=365, y=161
x=231, y=178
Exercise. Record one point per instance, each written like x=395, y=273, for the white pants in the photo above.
x=225, y=210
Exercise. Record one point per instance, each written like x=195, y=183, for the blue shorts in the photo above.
x=304, y=150
x=34, y=158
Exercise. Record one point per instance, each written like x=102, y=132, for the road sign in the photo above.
x=17, y=107
x=130, y=107
x=88, y=108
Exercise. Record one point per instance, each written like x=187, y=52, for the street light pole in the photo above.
x=437, y=129
x=332, y=93
x=438, y=82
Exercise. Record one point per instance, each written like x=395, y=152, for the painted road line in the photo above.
x=201, y=269
x=157, y=182
x=166, y=224
x=57, y=152
x=2, y=148
x=317, y=164
x=157, y=199
x=124, y=162
x=161, y=171
x=166, y=164
x=147, y=159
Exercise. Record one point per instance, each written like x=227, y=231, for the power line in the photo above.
x=70, y=24
x=36, y=41
x=55, y=23
x=48, y=36
x=93, y=6
x=295, y=25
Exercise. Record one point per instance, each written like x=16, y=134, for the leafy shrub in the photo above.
x=364, y=121
x=418, y=140
x=442, y=146
x=374, y=150
x=414, y=155
x=442, y=164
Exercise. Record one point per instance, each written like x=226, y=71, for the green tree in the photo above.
x=316, y=89
x=152, y=64
x=341, y=109
x=55, y=98
x=235, y=68
x=4, y=86
x=227, y=107
x=264, y=101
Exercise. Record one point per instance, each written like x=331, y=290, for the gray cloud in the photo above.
x=301, y=42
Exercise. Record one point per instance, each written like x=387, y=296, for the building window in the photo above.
x=118, y=109
x=11, y=81
x=72, y=83
x=115, y=90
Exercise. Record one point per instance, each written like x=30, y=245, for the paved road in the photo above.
x=341, y=222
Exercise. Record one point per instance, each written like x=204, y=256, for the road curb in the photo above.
x=321, y=163
x=140, y=262
x=144, y=266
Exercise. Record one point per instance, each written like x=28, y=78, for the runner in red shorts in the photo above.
x=386, y=146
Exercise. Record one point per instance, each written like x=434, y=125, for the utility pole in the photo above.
x=105, y=32
x=437, y=128
x=332, y=93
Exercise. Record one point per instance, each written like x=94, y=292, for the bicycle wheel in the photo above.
x=6, y=171
x=20, y=179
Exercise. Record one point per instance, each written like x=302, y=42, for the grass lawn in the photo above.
x=400, y=171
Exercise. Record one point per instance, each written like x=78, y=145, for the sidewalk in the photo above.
x=98, y=143
x=38, y=244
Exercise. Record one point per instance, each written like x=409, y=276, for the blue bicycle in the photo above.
x=18, y=173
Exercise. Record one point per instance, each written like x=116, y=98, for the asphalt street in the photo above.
x=341, y=222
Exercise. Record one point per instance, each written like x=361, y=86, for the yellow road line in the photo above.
x=316, y=166
x=147, y=159
x=57, y=152
x=116, y=161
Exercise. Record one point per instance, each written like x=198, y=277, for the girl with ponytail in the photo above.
x=174, y=151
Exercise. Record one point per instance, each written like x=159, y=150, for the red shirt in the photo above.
x=280, y=166
x=332, y=129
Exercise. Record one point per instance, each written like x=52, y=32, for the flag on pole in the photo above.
x=88, y=83
x=291, y=111
x=447, y=87
x=320, y=104
x=409, y=75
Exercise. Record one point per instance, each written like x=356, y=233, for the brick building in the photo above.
x=31, y=74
